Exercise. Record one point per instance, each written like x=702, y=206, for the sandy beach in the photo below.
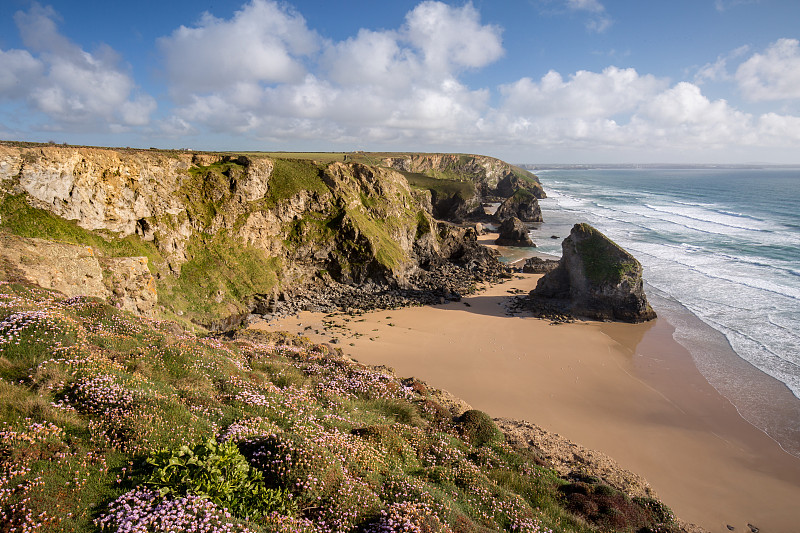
x=627, y=390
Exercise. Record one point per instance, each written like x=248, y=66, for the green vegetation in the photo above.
x=441, y=187
x=219, y=472
x=386, y=249
x=604, y=260
x=290, y=176
x=207, y=188
x=110, y=422
x=19, y=218
x=219, y=279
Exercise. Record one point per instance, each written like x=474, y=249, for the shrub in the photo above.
x=479, y=428
x=220, y=473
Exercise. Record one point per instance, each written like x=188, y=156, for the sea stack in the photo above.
x=513, y=233
x=596, y=278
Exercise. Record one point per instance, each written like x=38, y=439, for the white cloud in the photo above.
x=451, y=37
x=586, y=94
x=724, y=5
x=774, y=75
x=66, y=83
x=386, y=84
x=600, y=21
x=586, y=5
x=264, y=42
x=19, y=71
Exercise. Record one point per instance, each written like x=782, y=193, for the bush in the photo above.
x=479, y=428
x=220, y=473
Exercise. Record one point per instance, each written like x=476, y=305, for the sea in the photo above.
x=720, y=248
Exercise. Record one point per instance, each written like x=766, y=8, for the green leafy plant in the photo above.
x=219, y=472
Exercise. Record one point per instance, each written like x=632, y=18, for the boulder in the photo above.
x=523, y=205
x=513, y=233
x=596, y=278
x=537, y=265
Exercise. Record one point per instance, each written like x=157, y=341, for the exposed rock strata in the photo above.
x=596, y=278
x=78, y=270
x=273, y=224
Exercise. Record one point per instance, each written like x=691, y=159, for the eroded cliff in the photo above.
x=223, y=234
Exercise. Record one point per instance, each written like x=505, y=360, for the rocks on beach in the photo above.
x=513, y=232
x=595, y=278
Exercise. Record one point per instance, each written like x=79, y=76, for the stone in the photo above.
x=538, y=265
x=513, y=232
x=596, y=278
x=523, y=205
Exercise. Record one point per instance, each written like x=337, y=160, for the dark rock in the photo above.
x=596, y=278
x=537, y=265
x=513, y=233
x=523, y=205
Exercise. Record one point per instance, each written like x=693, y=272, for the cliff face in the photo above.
x=597, y=279
x=460, y=183
x=219, y=231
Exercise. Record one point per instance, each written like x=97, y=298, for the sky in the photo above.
x=528, y=81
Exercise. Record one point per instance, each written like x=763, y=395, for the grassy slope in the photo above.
x=89, y=393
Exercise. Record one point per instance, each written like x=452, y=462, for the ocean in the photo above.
x=723, y=244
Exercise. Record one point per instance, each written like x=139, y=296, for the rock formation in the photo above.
x=522, y=204
x=459, y=184
x=596, y=278
x=537, y=265
x=78, y=270
x=226, y=233
x=513, y=232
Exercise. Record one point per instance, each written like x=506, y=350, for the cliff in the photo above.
x=596, y=278
x=224, y=233
x=460, y=183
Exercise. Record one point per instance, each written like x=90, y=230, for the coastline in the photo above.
x=630, y=391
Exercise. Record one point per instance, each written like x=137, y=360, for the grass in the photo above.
x=110, y=421
x=441, y=187
x=19, y=218
x=219, y=279
x=290, y=176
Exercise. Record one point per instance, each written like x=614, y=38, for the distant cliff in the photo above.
x=461, y=183
x=221, y=233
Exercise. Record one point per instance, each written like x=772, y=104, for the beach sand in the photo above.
x=628, y=390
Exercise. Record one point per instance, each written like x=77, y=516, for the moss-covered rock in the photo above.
x=596, y=278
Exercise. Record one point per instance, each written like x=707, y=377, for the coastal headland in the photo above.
x=367, y=260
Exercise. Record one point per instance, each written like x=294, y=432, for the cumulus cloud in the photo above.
x=586, y=94
x=66, y=83
x=388, y=84
x=264, y=42
x=451, y=37
x=773, y=75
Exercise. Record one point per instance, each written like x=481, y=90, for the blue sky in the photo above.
x=702, y=81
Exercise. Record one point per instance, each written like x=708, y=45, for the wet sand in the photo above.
x=628, y=390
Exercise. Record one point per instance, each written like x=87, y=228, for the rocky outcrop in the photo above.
x=521, y=204
x=567, y=458
x=227, y=232
x=513, y=232
x=538, y=265
x=76, y=270
x=130, y=284
x=596, y=278
x=492, y=177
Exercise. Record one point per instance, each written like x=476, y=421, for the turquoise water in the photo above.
x=723, y=243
